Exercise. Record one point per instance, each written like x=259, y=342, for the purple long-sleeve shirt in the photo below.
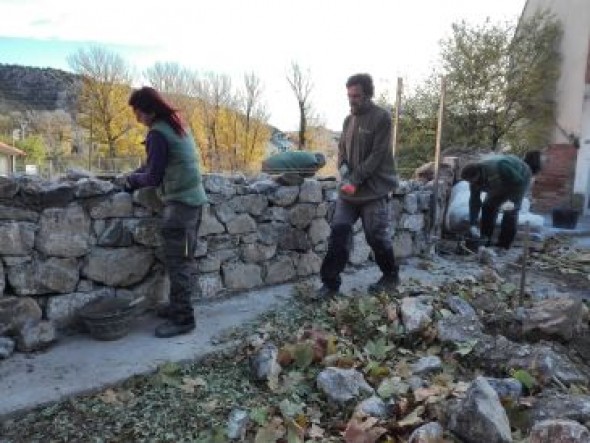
x=152, y=172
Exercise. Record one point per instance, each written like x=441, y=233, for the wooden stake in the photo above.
x=398, y=103
x=525, y=254
x=434, y=201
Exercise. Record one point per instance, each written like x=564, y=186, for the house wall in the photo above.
x=572, y=108
x=5, y=165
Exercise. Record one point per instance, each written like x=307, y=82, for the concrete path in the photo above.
x=78, y=364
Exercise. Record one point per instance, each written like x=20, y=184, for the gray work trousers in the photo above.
x=179, y=230
x=375, y=216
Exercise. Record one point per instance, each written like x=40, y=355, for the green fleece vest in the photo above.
x=182, y=177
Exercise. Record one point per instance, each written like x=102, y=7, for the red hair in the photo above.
x=150, y=101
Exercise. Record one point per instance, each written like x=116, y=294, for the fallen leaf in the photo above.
x=359, y=430
x=109, y=397
x=316, y=432
x=271, y=432
x=190, y=385
x=412, y=419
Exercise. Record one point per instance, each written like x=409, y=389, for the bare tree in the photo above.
x=214, y=92
x=301, y=85
x=106, y=82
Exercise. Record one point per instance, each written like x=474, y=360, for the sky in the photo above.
x=332, y=39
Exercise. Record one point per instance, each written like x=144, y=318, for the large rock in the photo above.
x=209, y=264
x=239, y=276
x=242, y=224
x=374, y=407
x=509, y=390
x=64, y=232
x=116, y=205
x=148, y=198
x=118, y=266
x=39, y=276
x=480, y=417
x=460, y=306
x=427, y=365
x=209, y=223
x=258, y=252
x=6, y=347
x=116, y=233
x=15, y=312
x=553, y=318
x=301, y=215
x=91, y=187
x=308, y=264
x=559, y=431
x=403, y=244
x=155, y=289
x=342, y=385
x=319, y=231
x=18, y=214
x=264, y=364
x=62, y=309
x=279, y=270
x=225, y=212
x=559, y=406
x=218, y=184
x=35, y=336
x=8, y=188
x=274, y=214
x=457, y=329
x=412, y=222
x=148, y=232
x=284, y=196
x=293, y=239
x=310, y=192
x=254, y=204
x=44, y=195
x=360, y=250
x=411, y=203
x=416, y=313
x=210, y=285
x=16, y=238
x=429, y=433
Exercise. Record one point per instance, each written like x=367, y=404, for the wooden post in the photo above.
x=434, y=201
x=525, y=255
x=398, y=103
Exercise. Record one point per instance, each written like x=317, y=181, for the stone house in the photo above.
x=568, y=167
x=8, y=155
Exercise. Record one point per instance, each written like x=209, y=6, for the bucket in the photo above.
x=109, y=318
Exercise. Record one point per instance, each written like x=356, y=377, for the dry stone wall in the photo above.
x=63, y=244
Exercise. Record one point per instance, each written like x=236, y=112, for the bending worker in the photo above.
x=505, y=179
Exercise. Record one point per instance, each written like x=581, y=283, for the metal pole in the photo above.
x=434, y=202
x=90, y=146
x=398, y=103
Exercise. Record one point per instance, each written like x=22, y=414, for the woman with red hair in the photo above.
x=173, y=166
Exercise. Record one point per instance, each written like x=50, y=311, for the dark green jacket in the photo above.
x=291, y=161
x=365, y=146
x=182, y=178
x=504, y=178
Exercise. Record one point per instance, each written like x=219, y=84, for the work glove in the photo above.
x=348, y=189
x=122, y=181
x=508, y=206
x=474, y=232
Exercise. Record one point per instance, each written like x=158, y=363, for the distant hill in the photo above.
x=25, y=88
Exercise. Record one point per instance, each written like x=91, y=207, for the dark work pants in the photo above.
x=375, y=216
x=179, y=230
x=489, y=215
